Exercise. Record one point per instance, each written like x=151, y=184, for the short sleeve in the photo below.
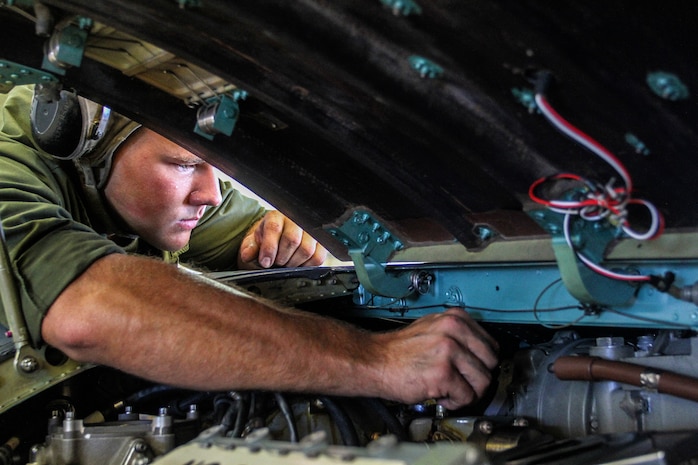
x=47, y=228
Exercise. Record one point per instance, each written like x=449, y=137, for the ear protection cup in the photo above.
x=69, y=127
x=57, y=124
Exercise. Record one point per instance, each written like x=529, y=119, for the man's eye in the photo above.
x=184, y=167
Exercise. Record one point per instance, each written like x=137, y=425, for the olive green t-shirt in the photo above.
x=55, y=229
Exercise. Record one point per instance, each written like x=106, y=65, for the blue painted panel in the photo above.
x=533, y=293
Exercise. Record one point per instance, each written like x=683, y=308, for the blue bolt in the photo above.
x=360, y=218
x=383, y=237
x=484, y=233
x=425, y=68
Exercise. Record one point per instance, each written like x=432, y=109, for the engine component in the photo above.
x=493, y=435
x=127, y=442
x=591, y=368
x=212, y=447
x=629, y=449
x=580, y=408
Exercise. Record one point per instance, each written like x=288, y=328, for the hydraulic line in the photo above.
x=287, y=413
x=342, y=420
x=598, y=369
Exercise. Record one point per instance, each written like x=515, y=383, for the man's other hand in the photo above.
x=276, y=240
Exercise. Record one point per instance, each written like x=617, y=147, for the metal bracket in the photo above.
x=370, y=246
x=219, y=115
x=14, y=74
x=36, y=371
x=66, y=47
x=592, y=240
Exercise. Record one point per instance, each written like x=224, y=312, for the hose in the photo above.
x=288, y=416
x=597, y=369
x=243, y=413
x=342, y=420
x=7, y=451
x=392, y=424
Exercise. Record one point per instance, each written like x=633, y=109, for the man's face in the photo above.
x=160, y=189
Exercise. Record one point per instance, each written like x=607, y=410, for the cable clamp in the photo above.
x=650, y=379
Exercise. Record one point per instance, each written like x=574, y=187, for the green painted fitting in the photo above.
x=403, y=7
x=425, y=67
x=636, y=144
x=667, y=85
x=527, y=98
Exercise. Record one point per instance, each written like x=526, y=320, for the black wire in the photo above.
x=650, y=320
x=181, y=407
x=342, y=420
x=288, y=416
x=481, y=309
x=392, y=424
x=226, y=419
x=242, y=414
x=145, y=394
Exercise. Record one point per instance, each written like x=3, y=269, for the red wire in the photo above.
x=600, y=149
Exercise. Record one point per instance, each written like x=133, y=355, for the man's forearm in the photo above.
x=152, y=320
x=155, y=321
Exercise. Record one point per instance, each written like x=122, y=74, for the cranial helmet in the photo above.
x=70, y=127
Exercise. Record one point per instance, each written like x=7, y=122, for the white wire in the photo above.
x=595, y=213
x=654, y=225
x=589, y=263
x=589, y=144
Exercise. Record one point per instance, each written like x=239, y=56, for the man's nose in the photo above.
x=206, y=189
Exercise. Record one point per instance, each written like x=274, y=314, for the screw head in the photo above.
x=29, y=364
x=485, y=427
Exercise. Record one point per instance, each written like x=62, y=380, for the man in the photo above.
x=86, y=293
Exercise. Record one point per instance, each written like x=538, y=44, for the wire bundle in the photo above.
x=596, y=202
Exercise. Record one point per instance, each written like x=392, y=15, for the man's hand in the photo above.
x=276, y=240
x=447, y=357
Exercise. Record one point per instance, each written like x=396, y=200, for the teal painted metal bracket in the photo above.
x=370, y=246
x=219, y=114
x=66, y=47
x=14, y=74
x=533, y=293
x=591, y=239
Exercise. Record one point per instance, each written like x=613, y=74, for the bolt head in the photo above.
x=485, y=427
x=29, y=364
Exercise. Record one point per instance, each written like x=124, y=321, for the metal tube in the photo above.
x=597, y=369
x=10, y=297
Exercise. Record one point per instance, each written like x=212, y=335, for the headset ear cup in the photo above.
x=57, y=124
